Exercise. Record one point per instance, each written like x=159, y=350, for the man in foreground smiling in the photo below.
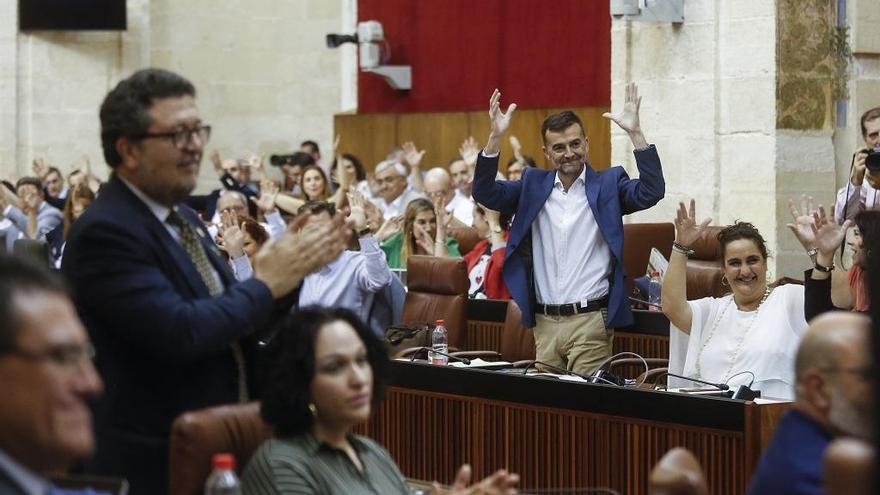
x=172, y=329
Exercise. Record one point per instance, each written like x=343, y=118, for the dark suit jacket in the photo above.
x=163, y=344
x=610, y=194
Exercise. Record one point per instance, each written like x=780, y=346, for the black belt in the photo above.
x=572, y=309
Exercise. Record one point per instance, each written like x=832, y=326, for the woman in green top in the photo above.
x=423, y=233
x=325, y=372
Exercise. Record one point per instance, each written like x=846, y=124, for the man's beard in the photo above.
x=850, y=418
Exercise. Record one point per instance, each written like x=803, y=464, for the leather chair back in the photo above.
x=677, y=473
x=638, y=239
x=437, y=289
x=197, y=435
x=704, y=267
x=848, y=468
x=517, y=341
x=467, y=238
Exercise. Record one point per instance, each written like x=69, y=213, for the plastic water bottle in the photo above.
x=654, y=292
x=440, y=343
x=223, y=480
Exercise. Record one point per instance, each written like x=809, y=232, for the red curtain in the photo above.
x=540, y=53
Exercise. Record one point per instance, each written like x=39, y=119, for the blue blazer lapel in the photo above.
x=593, y=185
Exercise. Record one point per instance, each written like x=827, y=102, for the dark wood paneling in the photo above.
x=430, y=433
x=371, y=136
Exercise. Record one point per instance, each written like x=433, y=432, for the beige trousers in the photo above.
x=577, y=343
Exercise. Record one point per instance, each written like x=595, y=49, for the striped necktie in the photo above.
x=196, y=251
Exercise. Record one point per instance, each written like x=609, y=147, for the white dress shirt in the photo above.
x=398, y=206
x=572, y=261
x=462, y=208
x=855, y=199
x=349, y=281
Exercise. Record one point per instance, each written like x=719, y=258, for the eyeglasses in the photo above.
x=865, y=372
x=68, y=355
x=181, y=138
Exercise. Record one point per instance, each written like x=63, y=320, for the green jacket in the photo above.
x=394, y=244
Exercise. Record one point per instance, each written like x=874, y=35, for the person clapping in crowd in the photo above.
x=424, y=232
x=35, y=218
x=748, y=336
x=486, y=260
x=828, y=286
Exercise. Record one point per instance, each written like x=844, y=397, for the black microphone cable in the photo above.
x=564, y=371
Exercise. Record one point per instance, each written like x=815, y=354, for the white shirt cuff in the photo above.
x=493, y=155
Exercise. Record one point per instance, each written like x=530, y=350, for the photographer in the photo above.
x=292, y=165
x=861, y=193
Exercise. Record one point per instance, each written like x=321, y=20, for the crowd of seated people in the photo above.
x=751, y=335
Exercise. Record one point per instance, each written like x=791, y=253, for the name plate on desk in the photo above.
x=482, y=364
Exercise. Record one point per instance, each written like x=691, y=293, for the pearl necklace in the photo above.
x=739, y=344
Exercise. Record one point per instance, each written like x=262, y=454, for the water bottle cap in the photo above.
x=439, y=322
x=223, y=461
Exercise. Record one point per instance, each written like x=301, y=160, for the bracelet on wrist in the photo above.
x=812, y=253
x=678, y=248
x=824, y=269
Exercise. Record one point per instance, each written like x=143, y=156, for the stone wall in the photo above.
x=266, y=80
x=738, y=99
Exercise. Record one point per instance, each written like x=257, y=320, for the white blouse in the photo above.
x=725, y=341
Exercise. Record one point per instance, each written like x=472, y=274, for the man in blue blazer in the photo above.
x=564, y=261
x=170, y=325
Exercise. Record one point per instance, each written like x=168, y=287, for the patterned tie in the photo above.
x=196, y=251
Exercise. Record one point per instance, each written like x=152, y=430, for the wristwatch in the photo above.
x=366, y=230
x=812, y=253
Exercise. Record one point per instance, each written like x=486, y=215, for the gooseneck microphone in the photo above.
x=719, y=386
x=450, y=356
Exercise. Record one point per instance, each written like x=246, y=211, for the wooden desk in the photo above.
x=559, y=434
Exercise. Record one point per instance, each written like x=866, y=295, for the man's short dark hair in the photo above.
x=289, y=367
x=528, y=161
x=125, y=111
x=560, y=121
x=316, y=208
x=29, y=181
x=311, y=144
x=54, y=169
x=20, y=276
x=871, y=114
x=302, y=159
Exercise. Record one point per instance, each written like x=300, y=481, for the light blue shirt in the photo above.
x=350, y=281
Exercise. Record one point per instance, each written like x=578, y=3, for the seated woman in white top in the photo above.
x=754, y=330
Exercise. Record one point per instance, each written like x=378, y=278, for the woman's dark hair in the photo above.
x=289, y=367
x=503, y=218
x=254, y=229
x=868, y=223
x=741, y=230
x=359, y=172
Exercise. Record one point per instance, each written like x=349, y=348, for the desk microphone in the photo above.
x=450, y=356
x=719, y=386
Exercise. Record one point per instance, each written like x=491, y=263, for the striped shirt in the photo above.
x=305, y=465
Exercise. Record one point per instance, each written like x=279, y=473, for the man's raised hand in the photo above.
x=498, y=122
x=628, y=118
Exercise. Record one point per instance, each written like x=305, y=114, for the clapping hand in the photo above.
x=268, y=191
x=357, y=216
x=687, y=231
x=517, y=149
x=802, y=228
x=499, y=483
x=231, y=235
x=412, y=155
x=30, y=201
x=40, y=168
x=216, y=161
x=828, y=236
x=469, y=150
x=389, y=228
